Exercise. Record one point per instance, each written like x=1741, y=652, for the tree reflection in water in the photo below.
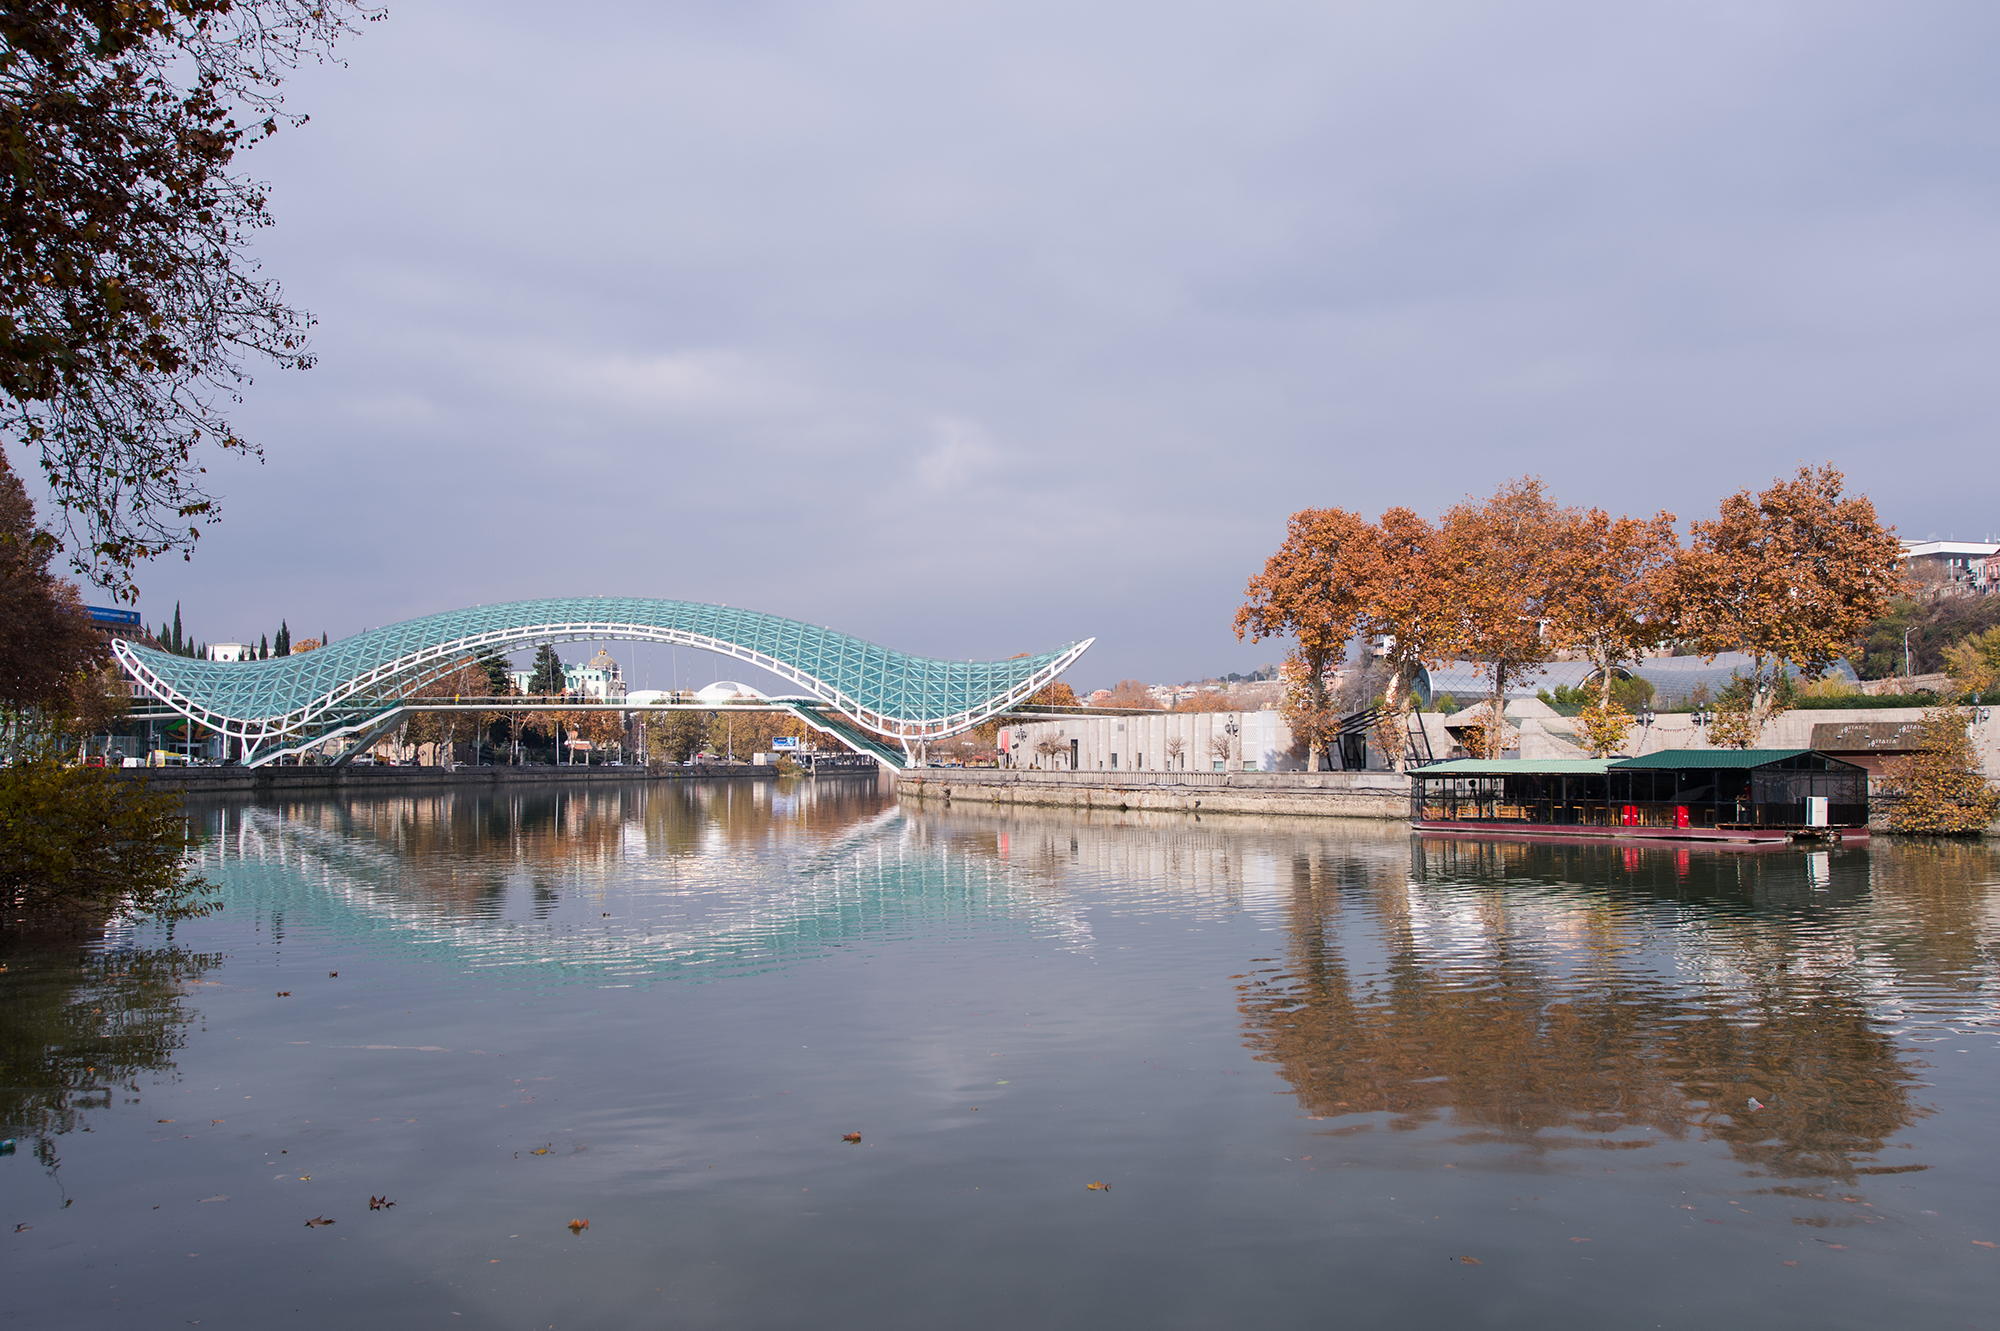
x=1547, y=997
x=82, y=1025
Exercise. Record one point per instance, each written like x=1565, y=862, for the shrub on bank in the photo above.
x=78, y=842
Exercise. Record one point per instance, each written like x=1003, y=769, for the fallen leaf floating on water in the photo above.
x=1095, y=1186
x=1984, y=1244
x=317, y=1221
x=163, y=1120
x=543, y=1150
x=22, y=1229
x=1471, y=1261
x=578, y=1226
x=333, y=975
x=379, y=1203
x=854, y=1137
x=212, y=1122
x=284, y=993
x=219, y=1197
x=1791, y=1263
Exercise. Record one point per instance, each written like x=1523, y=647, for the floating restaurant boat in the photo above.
x=1742, y=795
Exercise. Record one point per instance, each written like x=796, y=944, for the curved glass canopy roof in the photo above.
x=301, y=699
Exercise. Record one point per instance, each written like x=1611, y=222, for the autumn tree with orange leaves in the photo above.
x=1133, y=694
x=1316, y=588
x=1790, y=575
x=1614, y=588
x=1503, y=564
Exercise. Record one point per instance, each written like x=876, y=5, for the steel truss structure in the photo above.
x=290, y=704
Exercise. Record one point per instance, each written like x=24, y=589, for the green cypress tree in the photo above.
x=548, y=676
x=177, y=627
x=263, y=649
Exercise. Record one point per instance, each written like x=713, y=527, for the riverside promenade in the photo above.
x=1383, y=795
x=388, y=780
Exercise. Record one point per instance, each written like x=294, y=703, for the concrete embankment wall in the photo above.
x=391, y=780
x=1384, y=795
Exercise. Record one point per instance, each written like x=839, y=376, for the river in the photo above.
x=1326, y=1074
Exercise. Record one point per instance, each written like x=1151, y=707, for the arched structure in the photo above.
x=295, y=702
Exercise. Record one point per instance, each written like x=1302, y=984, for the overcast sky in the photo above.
x=979, y=328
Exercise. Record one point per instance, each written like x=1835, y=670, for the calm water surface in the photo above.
x=1333, y=1076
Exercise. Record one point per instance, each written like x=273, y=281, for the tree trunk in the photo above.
x=1496, y=706
x=1315, y=751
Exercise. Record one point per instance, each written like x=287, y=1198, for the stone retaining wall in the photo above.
x=1383, y=795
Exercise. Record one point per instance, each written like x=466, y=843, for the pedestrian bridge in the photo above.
x=876, y=700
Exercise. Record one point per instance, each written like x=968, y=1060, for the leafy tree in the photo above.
x=467, y=679
x=129, y=300
x=1317, y=588
x=1409, y=614
x=499, y=681
x=1974, y=664
x=79, y=842
x=1613, y=590
x=1602, y=727
x=679, y=735
x=1930, y=624
x=49, y=644
x=1134, y=694
x=1054, y=694
x=1208, y=700
x=1792, y=574
x=1628, y=693
x=1310, y=712
x=1504, y=566
x=548, y=679
x=1939, y=789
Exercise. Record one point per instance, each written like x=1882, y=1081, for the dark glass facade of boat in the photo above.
x=1699, y=793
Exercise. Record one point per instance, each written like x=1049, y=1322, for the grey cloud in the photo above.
x=976, y=328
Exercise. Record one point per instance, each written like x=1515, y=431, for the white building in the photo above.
x=600, y=681
x=232, y=651
x=1158, y=742
x=1967, y=563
